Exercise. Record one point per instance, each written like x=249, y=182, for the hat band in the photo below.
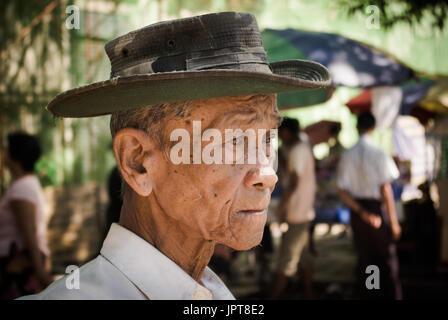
x=251, y=59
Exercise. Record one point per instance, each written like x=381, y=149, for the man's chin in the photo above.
x=245, y=244
x=245, y=247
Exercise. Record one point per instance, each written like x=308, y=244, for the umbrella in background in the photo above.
x=411, y=94
x=437, y=98
x=351, y=63
x=440, y=127
x=390, y=101
x=361, y=103
x=414, y=93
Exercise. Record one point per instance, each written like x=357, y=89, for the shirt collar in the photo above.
x=365, y=139
x=157, y=276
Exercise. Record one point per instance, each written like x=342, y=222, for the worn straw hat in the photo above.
x=212, y=55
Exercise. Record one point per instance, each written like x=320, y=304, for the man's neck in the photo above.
x=146, y=218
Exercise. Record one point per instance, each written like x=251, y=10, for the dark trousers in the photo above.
x=375, y=247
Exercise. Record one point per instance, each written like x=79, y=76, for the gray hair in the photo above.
x=150, y=119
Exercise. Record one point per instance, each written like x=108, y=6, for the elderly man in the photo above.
x=167, y=78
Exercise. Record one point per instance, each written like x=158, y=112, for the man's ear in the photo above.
x=134, y=152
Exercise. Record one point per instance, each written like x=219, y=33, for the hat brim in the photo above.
x=140, y=90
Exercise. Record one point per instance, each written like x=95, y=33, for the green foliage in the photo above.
x=47, y=171
x=18, y=14
x=411, y=12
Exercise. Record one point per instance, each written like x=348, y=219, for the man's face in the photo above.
x=224, y=202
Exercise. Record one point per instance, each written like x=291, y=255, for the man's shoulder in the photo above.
x=358, y=147
x=96, y=280
x=370, y=154
x=350, y=152
x=23, y=186
x=376, y=153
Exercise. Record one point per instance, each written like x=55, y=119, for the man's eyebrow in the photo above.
x=244, y=111
x=248, y=115
x=241, y=113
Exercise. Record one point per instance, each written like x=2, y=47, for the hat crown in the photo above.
x=225, y=40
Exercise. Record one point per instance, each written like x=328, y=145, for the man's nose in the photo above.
x=261, y=178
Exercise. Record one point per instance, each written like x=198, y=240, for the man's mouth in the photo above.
x=254, y=211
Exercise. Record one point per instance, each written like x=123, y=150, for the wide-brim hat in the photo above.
x=212, y=55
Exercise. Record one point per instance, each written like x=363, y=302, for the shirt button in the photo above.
x=202, y=294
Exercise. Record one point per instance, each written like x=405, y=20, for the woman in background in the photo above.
x=24, y=254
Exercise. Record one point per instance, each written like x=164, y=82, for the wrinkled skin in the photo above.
x=184, y=209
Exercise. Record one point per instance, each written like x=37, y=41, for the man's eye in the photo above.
x=269, y=138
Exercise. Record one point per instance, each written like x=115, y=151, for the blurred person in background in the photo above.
x=336, y=148
x=296, y=207
x=398, y=185
x=328, y=202
x=365, y=174
x=24, y=254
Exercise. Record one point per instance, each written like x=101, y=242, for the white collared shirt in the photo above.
x=364, y=168
x=130, y=268
x=300, y=207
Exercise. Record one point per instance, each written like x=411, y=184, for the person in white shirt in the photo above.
x=176, y=90
x=24, y=253
x=296, y=207
x=365, y=174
